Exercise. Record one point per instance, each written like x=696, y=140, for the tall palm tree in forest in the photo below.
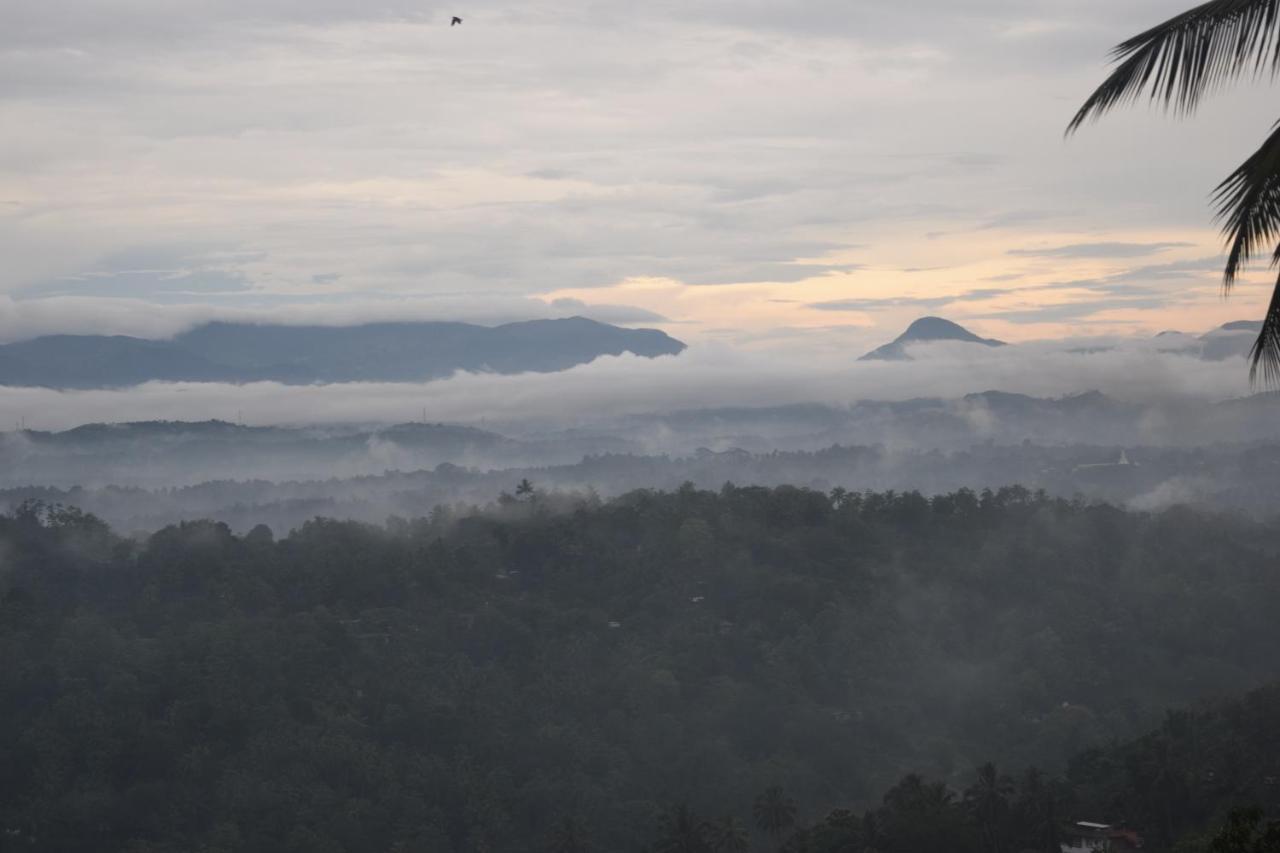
x=1178, y=62
x=917, y=815
x=774, y=812
x=569, y=837
x=988, y=802
x=1035, y=813
x=1246, y=831
x=682, y=832
x=729, y=836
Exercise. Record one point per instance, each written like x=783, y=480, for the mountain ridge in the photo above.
x=373, y=352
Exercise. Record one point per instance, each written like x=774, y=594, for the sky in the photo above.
x=743, y=174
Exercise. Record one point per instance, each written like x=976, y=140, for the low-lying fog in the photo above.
x=704, y=376
x=1120, y=421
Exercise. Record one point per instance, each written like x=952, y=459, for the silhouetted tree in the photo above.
x=727, y=835
x=774, y=812
x=841, y=831
x=1034, y=814
x=987, y=801
x=920, y=817
x=1245, y=832
x=569, y=837
x=681, y=831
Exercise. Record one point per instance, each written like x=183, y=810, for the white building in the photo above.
x=1087, y=837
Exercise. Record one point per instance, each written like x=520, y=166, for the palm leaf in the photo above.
x=1264, y=358
x=1249, y=206
x=1179, y=60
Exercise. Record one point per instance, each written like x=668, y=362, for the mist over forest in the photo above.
x=614, y=427
x=591, y=663
x=1147, y=454
x=831, y=612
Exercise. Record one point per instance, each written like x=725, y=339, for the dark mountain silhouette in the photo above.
x=924, y=330
x=378, y=352
x=1230, y=340
x=1251, y=326
x=93, y=361
x=223, y=439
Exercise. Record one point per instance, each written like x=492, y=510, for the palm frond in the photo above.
x=1187, y=55
x=1248, y=204
x=1264, y=358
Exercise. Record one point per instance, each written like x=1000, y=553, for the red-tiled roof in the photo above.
x=1128, y=836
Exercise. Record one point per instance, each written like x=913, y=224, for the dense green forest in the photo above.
x=1184, y=775
x=572, y=675
x=1205, y=781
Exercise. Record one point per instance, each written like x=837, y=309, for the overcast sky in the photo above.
x=743, y=172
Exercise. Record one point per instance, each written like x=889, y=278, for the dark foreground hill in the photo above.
x=1186, y=775
x=378, y=352
x=1203, y=782
x=467, y=682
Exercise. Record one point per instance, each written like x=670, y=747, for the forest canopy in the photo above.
x=560, y=669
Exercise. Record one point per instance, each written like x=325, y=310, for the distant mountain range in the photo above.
x=165, y=453
x=1230, y=340
x=924, y=330
x=379, y=352
x=1218, y=454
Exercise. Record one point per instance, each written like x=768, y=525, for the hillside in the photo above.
x=1186, y=775
x=1230, y=340
x=470, y=680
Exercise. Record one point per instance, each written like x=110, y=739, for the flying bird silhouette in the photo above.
x=456, y=21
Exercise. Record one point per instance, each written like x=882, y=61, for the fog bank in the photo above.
x=613, y=387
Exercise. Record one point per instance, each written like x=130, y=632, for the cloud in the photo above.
x=705, y=376
x=1144, y=288
x=1113, y=286
x=1019, y=218
x=340, y=150
x=1098, y=250
x=75, y=23
x=880, y=304
x=915, y=302
x=159, y=285
x=1174, y=270
x=148, y=21
x=619, y=314
x=1079, y=310
x=981, y=293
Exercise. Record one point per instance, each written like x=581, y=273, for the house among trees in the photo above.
x=1089, y=837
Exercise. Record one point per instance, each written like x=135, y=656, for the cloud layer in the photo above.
x=703, y=377
x=281, y=156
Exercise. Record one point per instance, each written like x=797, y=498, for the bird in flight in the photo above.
x=456, y=21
